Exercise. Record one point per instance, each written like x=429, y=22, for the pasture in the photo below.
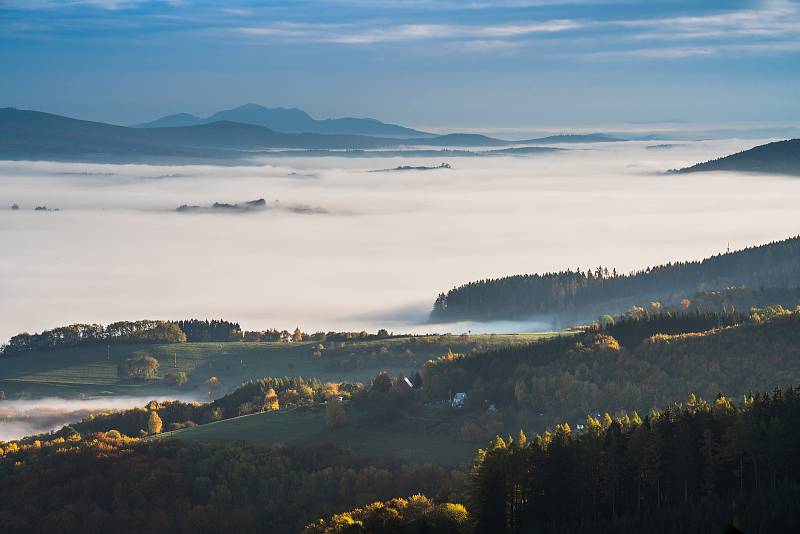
x=429, y=438
x=92, y=370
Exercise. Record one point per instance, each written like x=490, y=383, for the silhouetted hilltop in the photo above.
x=781, y=157
x=289, y=120
x=26, y=134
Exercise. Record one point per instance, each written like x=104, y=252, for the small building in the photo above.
x=459, y=399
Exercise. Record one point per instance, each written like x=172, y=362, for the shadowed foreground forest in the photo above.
x=692, y=467
x=106, y=483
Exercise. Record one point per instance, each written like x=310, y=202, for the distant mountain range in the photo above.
x=290, y=120
x=44, y=136
x=781, y=157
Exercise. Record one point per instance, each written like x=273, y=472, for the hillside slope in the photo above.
x=781, y=157
x=582, y=296
x=564, y=379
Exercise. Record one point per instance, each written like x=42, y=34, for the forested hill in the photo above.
x=782, y=157
x=584, y=295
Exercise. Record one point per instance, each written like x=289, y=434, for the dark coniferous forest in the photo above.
x=693, y=467
x=781, y=157
x=578, y=295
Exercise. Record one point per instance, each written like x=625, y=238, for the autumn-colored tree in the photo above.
x=271, y=402
x=154, y=423
x=415, y=514
x=297, y=336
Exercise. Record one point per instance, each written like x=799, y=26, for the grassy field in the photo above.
x=93, y=370
x=432, y=438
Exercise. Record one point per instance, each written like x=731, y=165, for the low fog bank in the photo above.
x=414, y=319
x=492, y=327
x=19, y=418
x=391, y=241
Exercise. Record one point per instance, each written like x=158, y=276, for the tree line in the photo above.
x=197, y=330
x=79, y=335
x=582, y=295
x=156, y=331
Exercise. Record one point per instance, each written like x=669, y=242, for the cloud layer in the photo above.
x=393, y=240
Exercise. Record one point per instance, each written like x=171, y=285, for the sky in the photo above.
x=428, y=64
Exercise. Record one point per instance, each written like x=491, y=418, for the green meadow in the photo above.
x=429, y=438
x=92, y=370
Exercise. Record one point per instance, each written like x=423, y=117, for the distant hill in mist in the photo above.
x=781, y=157
x=289, y=120
x=35, y=135
x=32, y=134
x=27, y=134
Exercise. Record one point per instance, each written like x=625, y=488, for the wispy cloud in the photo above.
x=771, y=18
x=111, y=5
x=765, y=27
x=377, y=33
x=654, y=53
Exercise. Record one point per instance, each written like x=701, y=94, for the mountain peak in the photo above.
x=255, y=112
x=290, y=120
x=176, y=119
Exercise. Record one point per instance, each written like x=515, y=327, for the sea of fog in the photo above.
x=339, y=247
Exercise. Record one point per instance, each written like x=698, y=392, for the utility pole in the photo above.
x=175, y=360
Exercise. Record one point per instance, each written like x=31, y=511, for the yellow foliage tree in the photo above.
x=271, y=401
x=154, y=423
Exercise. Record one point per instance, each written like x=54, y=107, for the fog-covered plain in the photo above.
x=389, y=242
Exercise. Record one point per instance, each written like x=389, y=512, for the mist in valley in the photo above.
x=27, y=417
x=380, y=247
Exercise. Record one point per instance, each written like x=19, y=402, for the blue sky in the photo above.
x=449, y=63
